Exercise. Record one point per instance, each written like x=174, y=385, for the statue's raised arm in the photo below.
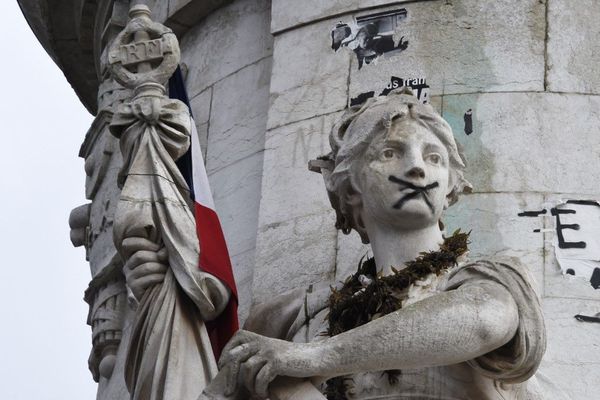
x=169, y=356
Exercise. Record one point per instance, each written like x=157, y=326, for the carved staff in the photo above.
x=169, y=355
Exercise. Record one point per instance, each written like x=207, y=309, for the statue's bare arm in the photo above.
x=445, y=329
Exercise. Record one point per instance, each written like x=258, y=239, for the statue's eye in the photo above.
x=388, y=153
x=434, y=158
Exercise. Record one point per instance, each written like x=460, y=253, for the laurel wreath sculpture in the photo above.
x=356, y=304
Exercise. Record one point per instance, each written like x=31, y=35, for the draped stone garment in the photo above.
x=503, y=374
x=169, y=355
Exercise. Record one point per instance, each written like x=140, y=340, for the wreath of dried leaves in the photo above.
x=356, y=304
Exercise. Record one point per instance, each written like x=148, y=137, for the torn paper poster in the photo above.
x=577, y=239
x=370, y=36
x=419, y=87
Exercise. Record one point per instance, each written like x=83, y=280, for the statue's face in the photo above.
x=404, y=177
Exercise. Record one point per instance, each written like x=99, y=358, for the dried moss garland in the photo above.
x=356, y=304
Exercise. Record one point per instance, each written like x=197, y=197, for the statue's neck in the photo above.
x=393, y=248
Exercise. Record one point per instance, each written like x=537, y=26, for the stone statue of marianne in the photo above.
x=444, y=328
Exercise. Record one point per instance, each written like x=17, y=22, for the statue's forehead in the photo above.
x=409, y=129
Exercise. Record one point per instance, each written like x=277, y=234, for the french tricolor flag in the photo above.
x=214, y=257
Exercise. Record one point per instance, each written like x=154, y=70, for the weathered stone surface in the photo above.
x=307, y=11
x=201, y=104
x=558, y=284
x=572, y=360
x=496, y=230
x=535, y=142
x=160, y=10
x=573, y=55
x=239, y=115
x=350, y=250
x=212, y=52
x=201, y=111
x=294, y=254
x=243, y=271
x=475, y=42
x=236, y=191
x=184, y=14
x=289, y=189
x=308, y=78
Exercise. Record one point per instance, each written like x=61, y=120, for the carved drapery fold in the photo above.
x=169, y=355
x=169, y=340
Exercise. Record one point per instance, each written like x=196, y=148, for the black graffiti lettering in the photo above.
x=361, y=98
x=584, y=202
x=585, y=318
x=595, y=279
x=560, y=227
x=532, y=213
x=468, y=117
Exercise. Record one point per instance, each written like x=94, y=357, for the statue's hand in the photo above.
x=146, y=265
x=255, y=361
x=218, y=294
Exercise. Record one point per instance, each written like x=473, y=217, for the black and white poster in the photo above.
x=371, y=36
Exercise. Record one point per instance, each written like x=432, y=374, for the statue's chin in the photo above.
x=414, y=214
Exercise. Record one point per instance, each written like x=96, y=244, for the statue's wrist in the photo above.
x=316, y=356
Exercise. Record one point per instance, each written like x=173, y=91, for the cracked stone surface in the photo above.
x=201, y=110
x=212, y=52
x=308, y=78
x=236, y=191
x=289, y=189
x=239, y=114
x=573, y=54
x=294, y=253
x=476, y=42
x=528, y=142
x=572, y=360
x=310, y=10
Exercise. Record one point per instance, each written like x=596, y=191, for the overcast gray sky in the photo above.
x=44, y=339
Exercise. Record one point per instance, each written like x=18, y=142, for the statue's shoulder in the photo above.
x=495, y=268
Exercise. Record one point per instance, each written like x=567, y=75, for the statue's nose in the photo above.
x=415, y=173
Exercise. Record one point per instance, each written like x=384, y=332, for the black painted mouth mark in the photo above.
x=418, y=191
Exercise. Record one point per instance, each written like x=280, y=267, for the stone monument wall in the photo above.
x=516, y=80
x=524, y=69
x=227, y=58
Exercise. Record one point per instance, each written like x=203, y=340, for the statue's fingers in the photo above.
x=163, y=254
x=150, y=268
x=141, y=257
x=135, y=243
x=240, y=355
x=139, y=286
x=249, y=370
x=263, y=378
x=238, y=339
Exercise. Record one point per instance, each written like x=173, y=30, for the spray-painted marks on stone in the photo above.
x=371, y=36
x=418, y=85
x=577, y=237
x=468, y=117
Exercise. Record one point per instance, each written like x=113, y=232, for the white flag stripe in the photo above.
x=200, y=179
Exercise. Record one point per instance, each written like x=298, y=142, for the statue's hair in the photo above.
x=351, y=137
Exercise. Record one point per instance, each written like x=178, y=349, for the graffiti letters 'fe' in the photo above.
x=371, y=36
